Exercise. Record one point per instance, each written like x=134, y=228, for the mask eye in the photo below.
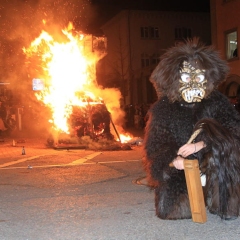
x=186, y=77
x=199, y=78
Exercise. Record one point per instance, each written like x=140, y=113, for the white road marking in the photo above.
x=76, y=162
x=70, y=164
x=23, y=160
x=45, y=166
x=19, y=161
x=119, y=161
x=84, y=159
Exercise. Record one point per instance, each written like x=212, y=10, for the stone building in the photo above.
x=135, y=41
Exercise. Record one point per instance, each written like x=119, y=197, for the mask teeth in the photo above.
x=188, y=96
x=191, y=93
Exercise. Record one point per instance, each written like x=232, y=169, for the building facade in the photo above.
x=225, y=24
x=135, y=41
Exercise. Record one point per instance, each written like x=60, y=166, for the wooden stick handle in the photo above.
x=195, y=191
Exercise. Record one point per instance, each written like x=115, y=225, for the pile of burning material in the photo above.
x=64, y=78
x=92, y=121
x=87, y=142
x=90, y=128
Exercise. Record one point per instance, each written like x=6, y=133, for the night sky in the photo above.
x=105, y=9
x=85, y=14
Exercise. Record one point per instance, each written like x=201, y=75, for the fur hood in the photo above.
x=166, y=75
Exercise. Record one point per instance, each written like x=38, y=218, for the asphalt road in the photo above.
x=79, y=194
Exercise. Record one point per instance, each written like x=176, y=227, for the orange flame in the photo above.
x=125, y=137
x=67, y=70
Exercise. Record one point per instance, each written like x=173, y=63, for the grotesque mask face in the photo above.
x=192, y=83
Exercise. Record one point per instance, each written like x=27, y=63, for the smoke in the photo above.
x=21, y=21
x=23, y=18
x=111, y=97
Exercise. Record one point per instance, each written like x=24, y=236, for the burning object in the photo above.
x=65, y=82
x=92, y=120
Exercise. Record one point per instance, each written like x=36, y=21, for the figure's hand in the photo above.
x=190, y=148
x=187, y=149
x=178, y=163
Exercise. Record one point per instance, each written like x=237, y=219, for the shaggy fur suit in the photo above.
x=172, y=121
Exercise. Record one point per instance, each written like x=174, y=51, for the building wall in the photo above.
x=126, y=46
x=225, y=15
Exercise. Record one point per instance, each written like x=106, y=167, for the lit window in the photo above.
x=231, y=45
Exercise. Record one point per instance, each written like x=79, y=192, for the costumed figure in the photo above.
x=186, y=81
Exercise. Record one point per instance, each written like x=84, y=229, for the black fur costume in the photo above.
x=171, y=123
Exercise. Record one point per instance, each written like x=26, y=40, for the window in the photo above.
x=144, y=32
x=231, y=44
x=154, y=32
x=182, y=33
x=150, y=32
x=155, y=59
x=145, y=60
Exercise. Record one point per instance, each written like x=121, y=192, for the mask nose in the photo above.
x=193, y=84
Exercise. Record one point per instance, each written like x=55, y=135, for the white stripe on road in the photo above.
x=19, y=161
x=76, y=162
x=70, y=164
x=84, y=159
x=136, y=160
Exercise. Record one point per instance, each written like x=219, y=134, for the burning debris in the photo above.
x=90, y=127
x=81, y=111
x=93, y=121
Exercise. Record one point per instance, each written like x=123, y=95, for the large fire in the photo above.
x=67, y=68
